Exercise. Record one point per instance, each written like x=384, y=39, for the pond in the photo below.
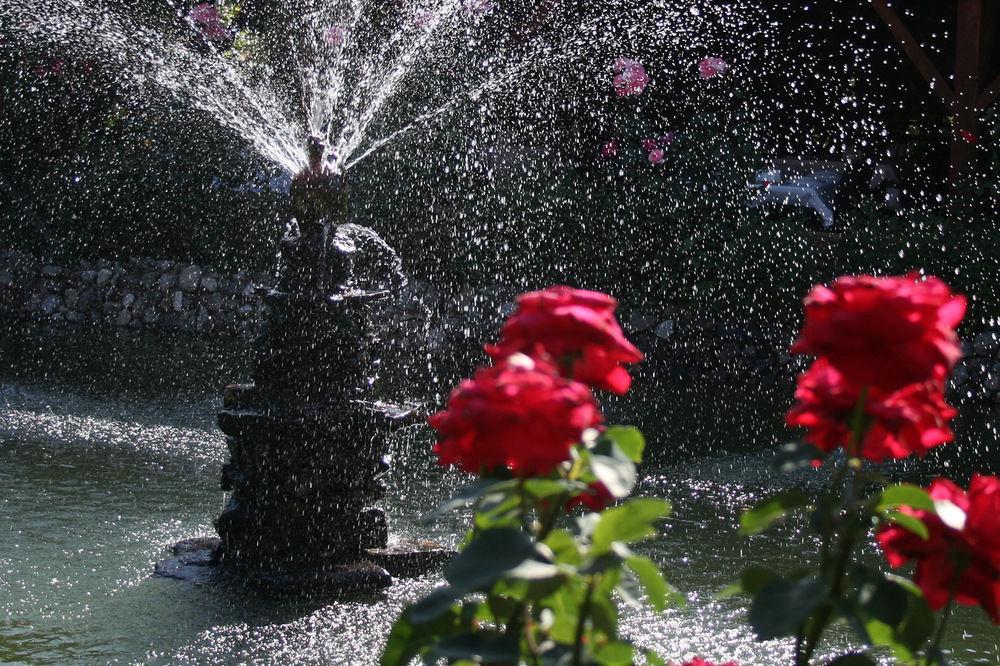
x=109, y=453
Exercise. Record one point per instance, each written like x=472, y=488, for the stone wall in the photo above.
x=977, y=376
x=135, y=293
x=164, y=294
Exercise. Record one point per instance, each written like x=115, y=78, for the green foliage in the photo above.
x=771, y=510
x=782, y=606
x=884, y=611
x=533, y=585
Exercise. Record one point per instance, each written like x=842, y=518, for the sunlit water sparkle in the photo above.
x=99, y=481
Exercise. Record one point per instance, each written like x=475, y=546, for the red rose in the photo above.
x=698, y=661
x=577, y=329
x=596, y=497
x=884, y=332
x=909, y=421
x=519, y=415
x=963, y=550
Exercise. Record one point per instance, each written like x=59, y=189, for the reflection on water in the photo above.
x=106, y=458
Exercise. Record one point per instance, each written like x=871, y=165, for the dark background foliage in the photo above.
x=511, y=188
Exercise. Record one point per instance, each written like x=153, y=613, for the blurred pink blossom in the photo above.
x=630, y=77
x=656, y=156
x=203, y=12
x=205, y=17
x=609, y=149
x=649, y=144
x=478, y=6
x=423, y=18
x=709, y=68
x=335, y=36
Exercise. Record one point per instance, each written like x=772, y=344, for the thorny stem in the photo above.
x=581, y=623
x=529, y=635
x=550, y=520
x=523, y=497
x=935, y=649
x=806, y=643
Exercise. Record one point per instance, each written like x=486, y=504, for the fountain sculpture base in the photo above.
x=197, y=561
x=307, y=451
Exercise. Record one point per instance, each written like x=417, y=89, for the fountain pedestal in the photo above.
x=307, y=450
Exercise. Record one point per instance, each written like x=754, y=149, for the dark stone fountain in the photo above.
x=307, y=446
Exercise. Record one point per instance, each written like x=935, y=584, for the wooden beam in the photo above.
x=914, y=51
x=541, y=15
x=968, y=70
x=988, y=96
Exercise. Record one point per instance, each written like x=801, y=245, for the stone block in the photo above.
x=665, y=330
x=50, y=304
x=986, y=343
x=189, y=278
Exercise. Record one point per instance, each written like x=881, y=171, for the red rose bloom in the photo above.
x=884, y=332
x=577, y=329
x=519, y=415
x=596, y=497
x=910, y=421
x=964, y=543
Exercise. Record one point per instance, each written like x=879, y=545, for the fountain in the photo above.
x=306, y=449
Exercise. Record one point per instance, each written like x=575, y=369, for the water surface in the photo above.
x=109, y=453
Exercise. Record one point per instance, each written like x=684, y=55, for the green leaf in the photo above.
x=492, y=555
x=629, y=440
x=604, y=614
x=615, y=653
x=660, y=593
x=404, y=642
x=782, y=606
x=630, y=522
x=653, y=659
x=502, y=605
x=533, y=570
x=616, y=473
x=771, y=510
x=905, y=494
x=853, y=660
x=564, y=547
x=479, y=647
x=917, y=625
x=752, y=580
x=908, y=522
x=755, y=578
x=541, y=489
x=565, y=605
x=796, y=455
x=498, y=510
x=883, y=600
x=466, y=495
x=433, y=605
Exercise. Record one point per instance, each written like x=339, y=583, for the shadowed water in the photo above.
x=104, y=461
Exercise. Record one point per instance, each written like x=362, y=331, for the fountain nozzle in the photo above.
x=318, y=193
x=315, y=149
